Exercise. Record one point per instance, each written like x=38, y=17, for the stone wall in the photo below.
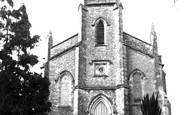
x=57, y=66
x=138, y=60
x=145, y=64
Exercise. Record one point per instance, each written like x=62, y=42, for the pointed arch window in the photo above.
x=137, y=87
x=100, y=33
x=136, y=83
x=66, y=85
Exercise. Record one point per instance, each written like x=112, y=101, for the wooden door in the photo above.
x=101, y=109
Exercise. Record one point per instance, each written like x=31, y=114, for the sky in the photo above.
x=62, y=18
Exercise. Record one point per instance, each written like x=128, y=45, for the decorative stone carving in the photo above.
x=100, y=69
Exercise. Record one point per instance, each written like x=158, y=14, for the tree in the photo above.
x=22, y=92
x=150, y=106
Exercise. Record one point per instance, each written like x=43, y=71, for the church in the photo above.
x=103, y=70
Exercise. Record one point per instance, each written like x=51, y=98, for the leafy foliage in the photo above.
x=22, y=92
x=150, y=106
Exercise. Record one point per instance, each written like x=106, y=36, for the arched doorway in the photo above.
x=100, y=106
x=101, y=109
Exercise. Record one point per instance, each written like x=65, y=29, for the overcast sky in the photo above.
x=62, y=17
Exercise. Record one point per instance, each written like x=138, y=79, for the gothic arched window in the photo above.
x=66, y=89
x=136, y=83
x=137, y=88
x=100, y=32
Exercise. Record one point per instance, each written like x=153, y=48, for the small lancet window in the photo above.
x=100, y=32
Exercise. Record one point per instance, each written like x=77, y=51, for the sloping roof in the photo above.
x=137, y=44
x=128, y=40
x=64, y=45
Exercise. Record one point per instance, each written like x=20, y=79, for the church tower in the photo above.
x=102, y=64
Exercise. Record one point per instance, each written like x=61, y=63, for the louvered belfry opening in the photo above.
x=100, y=32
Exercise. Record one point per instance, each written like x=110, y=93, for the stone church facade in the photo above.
x=103, y=70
